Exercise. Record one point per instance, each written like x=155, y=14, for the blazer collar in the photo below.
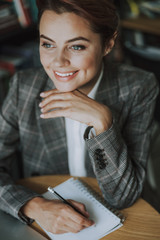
x=108, y=90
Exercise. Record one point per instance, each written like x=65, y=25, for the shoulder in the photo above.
x=128, y=75
x=27, y=81
x=133, y=75
x=28, y=76
x=136, y=81
x=128, y=80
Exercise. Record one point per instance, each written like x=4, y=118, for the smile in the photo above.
x=65, y=77
x=65, y=74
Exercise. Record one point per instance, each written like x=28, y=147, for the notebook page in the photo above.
x=105, y=220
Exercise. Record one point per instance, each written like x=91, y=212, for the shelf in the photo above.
x=143, y=24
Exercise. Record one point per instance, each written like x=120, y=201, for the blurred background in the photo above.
x=138, y=44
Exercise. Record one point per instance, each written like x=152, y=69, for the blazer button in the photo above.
x=98, y=151
x=99, y=157
x=102, y=165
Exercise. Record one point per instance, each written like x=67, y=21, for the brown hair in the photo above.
x=101, y=14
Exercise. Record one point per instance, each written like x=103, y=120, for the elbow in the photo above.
x=121, y=200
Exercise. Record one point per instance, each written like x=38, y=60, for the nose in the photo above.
x=61, y=59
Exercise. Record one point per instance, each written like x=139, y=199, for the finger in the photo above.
x=80, y=206
x=67, y=223
x=79, y=219
x=71, y=226
x=56, y=96
x=49, y=98
x=83, y=221
x=49, y=92
x=66, y=229
x=54, y=105
x=59, y=112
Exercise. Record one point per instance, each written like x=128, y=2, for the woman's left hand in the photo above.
x=77, y=106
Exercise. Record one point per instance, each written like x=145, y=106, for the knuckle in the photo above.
x=80, y=228
x=83, y=207
x=75, y=230
x=55, y=228
x=82, y=221
x=49, y=106
x=50, y=97
x=66, y=95
x=64, y=209
x=58, y=221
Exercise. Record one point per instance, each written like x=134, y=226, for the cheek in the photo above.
x=45, y=60
x=84, y=63
x=90, y=64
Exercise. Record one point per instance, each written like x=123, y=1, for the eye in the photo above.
x=78, y=47
x=47, y=45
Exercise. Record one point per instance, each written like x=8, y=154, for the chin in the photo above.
x=65, y=89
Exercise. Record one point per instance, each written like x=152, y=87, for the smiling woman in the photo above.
x=74, y=59
x=78, y=114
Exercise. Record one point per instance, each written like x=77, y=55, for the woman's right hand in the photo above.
x=56, y=216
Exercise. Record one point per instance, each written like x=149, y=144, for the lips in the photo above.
x=65, y=76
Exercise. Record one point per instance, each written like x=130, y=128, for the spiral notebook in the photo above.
x=106, y=220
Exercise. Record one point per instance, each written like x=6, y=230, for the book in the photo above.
x=8, y=18
x=5, y=10
x=106, y=219
x=12, y=62
x=23, y=11
x=150, y=8
x=34, y=10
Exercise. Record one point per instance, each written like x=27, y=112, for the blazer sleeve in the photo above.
x=119, y=156
x=12, y=196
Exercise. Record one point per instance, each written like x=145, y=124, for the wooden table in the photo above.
x=142, y=221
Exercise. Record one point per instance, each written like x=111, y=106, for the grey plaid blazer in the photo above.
x=117, y=157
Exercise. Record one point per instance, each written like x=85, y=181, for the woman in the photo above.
x=77, y=92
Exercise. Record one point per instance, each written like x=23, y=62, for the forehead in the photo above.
x=65, y=25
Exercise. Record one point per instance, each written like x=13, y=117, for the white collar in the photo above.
x=93, y=91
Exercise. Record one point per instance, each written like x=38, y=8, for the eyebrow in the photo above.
x=68, y=41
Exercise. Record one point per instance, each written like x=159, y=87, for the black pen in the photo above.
x=51, y=190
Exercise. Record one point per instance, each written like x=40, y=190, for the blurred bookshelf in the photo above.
x=143, y=23
x=139, y=46
x=18, y=39
x=139, y=40
x=16, y=15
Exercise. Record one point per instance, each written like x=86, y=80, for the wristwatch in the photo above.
x=24, y=218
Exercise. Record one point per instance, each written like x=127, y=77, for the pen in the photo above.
x=51, y=190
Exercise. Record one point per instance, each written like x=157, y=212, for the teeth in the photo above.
x=64, y=74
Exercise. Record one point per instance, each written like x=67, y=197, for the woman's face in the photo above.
x=71, y=53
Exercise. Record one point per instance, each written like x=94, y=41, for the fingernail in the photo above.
x=40, y=105
x=42, y=94
x=42, y=110
x=42, y=115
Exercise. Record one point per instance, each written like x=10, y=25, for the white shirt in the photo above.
x=75, y=141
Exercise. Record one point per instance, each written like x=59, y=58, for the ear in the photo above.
x=110, y=44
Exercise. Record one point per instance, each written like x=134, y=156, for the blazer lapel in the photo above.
x=108, y=92
x=54, y=136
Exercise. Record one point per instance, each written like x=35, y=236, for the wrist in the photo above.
x=31, y=207
x=104, y=122
x=102, y=128
x=103, y=125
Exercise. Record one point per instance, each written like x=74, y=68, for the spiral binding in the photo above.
x=100, y=199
